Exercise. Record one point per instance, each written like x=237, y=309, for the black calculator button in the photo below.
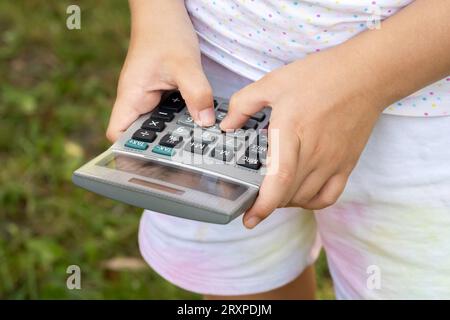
x=250, y=124
x=174, y=102
x=238, y=134
x=144, y=135
x=163, y=115
x=196, y=147
x=164, y=109
x=259, y=116
x=222, y=154
x=170, y=140
x=154, y=125
x=214, y=129
x=251, y=162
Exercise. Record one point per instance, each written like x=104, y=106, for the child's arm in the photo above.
x=163, y=54
x=326, y=105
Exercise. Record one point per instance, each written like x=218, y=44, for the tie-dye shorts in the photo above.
x=388, y=236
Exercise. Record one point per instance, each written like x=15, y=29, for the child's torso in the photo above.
x=252, y=38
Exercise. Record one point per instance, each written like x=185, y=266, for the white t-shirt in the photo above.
x=252, y=37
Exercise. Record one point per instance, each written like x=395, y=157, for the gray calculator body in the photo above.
x=185, y=180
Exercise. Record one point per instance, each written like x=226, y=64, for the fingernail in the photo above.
x=223, y=125
x=251, y=222
x=207, y=117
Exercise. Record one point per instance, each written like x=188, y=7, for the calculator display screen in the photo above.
x=177, y=176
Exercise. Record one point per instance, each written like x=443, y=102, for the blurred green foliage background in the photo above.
x=57, y=87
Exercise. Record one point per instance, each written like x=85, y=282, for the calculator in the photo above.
x=166, y=163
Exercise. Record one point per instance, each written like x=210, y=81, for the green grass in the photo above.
x=56, y=91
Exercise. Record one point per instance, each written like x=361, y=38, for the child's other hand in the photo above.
x=324, y=118
x=163, y=55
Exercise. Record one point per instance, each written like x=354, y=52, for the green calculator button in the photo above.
x=165, y=151
x=135, y=144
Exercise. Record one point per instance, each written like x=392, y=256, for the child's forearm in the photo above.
x=408, y=52
x=159, y=19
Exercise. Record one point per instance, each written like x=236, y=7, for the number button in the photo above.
x=170, y=140
x=144, y=135
x=154, y=125
x=220, y=116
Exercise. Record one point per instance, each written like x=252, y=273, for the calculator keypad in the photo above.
x=186, y=136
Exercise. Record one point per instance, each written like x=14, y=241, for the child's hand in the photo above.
x=163, y=55
x=324, y=120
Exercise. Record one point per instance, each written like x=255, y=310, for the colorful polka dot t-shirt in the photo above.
x=253, y=37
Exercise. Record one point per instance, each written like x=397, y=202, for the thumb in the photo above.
x=129, y=105
x=243, y=104
x=197, y=93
